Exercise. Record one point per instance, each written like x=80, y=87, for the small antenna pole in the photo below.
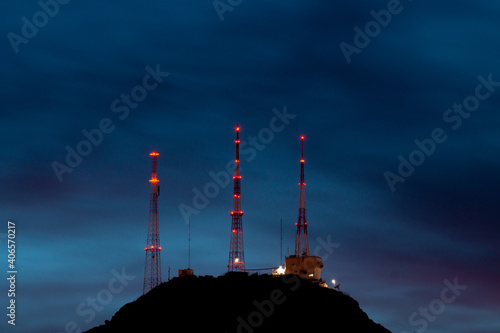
x=189, y=245
x=281, y=242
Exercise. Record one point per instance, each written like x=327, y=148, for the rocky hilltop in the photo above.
x=239, y=303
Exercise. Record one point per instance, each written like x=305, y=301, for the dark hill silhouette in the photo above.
x=239, y=303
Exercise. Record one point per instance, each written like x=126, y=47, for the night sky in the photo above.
x=399, y=104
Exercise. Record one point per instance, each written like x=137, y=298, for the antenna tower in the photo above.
x=301, y=240
x=152, y=270
x=236, y=252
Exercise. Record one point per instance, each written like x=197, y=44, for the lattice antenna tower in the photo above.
x=152, y=269
x=236, y=251
x=301, y=239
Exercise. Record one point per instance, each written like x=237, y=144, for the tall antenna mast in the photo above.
x=152, y=269
x=236, y=252
x=302, y=263
x=301, y=239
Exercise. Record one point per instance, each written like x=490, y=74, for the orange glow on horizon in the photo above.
x=154, y=154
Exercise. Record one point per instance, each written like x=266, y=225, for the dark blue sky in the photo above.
x=90, y=64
